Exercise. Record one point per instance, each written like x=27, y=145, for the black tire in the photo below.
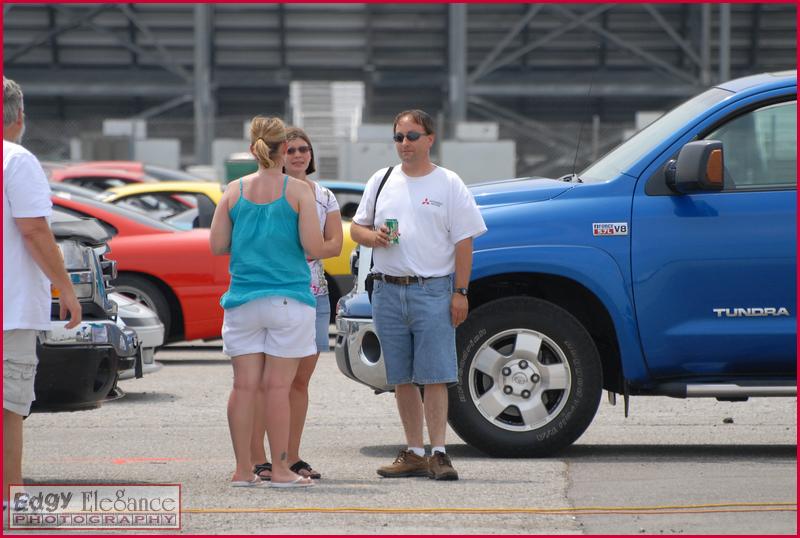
x=145, y=292
x=70, y=379
x=531, y=338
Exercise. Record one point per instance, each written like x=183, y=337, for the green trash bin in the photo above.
x=238, y=165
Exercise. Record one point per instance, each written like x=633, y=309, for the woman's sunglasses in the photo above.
x=412, y=136
x=302, y=150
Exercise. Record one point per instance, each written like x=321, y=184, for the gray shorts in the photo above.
x=19, y=370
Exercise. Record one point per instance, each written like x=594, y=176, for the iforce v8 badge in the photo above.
x=609, y=228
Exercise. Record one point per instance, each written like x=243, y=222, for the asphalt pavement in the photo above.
x=673, y=466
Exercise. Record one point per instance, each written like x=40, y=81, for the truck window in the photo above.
x=624, y=156
x=760, y=148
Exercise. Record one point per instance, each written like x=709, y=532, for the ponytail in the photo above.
x=262, y=153
x=266, y=137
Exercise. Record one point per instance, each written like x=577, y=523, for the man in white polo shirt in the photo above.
x=420, y=287
x=31, y=261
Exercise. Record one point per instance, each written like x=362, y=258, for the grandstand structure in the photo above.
x=541, y=71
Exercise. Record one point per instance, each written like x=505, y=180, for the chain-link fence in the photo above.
x=564, y=147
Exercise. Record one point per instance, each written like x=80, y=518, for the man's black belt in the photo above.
x=401, y=280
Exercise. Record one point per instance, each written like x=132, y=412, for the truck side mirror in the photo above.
x=699, y=167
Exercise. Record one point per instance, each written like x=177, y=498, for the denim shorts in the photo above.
x=416, y=332
x=323, y=323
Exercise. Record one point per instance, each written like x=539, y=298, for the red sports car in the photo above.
x=172, y=272
x=102, y=175
x=95, y=178
x=159, y=173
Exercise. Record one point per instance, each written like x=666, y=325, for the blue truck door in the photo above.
x=714, y=272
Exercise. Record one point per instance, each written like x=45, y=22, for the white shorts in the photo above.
x=277, y=326
x=19, y=370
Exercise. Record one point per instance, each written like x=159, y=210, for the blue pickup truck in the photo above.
x=666, y=268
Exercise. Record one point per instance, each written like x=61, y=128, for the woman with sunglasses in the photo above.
x=299, y=163
x=268, y=223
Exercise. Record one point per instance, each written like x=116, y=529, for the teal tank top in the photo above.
x=267, y=257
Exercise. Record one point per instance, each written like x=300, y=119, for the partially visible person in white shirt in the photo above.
x=31, y=261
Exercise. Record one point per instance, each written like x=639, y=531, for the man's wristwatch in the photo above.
x=462, y=291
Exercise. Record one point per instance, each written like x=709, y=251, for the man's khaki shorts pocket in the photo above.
x=19, y=370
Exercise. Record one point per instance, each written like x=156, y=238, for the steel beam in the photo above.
x=204, y=110
x=503, y=43
x=369, y=65
x=602, y=50
x=132, y=38
x=51, y=20
x=638, y=51
x=136, y=49
x=754, y=36
x=167, y=61
x=677, y=38
x=572, y=89
x=50, y=34
x=724, y=42
x=164, y=107
x=81, y=89
x=546, y=39
x=685, y=31
x=282, y=36
x=457, y=96
x=705, y=44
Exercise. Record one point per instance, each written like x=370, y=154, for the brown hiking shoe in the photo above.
x=440, y=467
x=405, y=464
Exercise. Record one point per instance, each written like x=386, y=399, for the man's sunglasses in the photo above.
x=412, y=136
x=302, y=150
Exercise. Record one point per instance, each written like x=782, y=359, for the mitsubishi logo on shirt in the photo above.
x=428, y=201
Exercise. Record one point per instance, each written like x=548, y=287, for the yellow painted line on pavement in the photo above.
x=588, y=510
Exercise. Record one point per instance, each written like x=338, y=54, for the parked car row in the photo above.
x=160, y=243
x=79, y=368
x=189, y=205
x=102, y=175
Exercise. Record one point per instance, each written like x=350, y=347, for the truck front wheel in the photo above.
x=530, y=378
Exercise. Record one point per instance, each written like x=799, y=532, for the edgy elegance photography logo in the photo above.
x=101, y=506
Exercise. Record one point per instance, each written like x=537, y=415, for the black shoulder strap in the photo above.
x=375, y=208
x=380, y=188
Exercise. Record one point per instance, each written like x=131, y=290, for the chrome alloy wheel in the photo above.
x=520, y=380
x=136, y=295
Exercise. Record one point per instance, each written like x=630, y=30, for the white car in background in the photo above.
x=148, y=328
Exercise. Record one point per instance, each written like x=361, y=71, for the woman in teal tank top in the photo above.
x=300, y=163
x=267, y=221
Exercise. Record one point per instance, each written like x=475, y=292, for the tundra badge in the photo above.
x=756, y=312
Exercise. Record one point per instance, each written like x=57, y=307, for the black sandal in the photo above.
x=260, y=468
x=303, y=466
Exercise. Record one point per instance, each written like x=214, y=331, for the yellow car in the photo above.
x=191, y=204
